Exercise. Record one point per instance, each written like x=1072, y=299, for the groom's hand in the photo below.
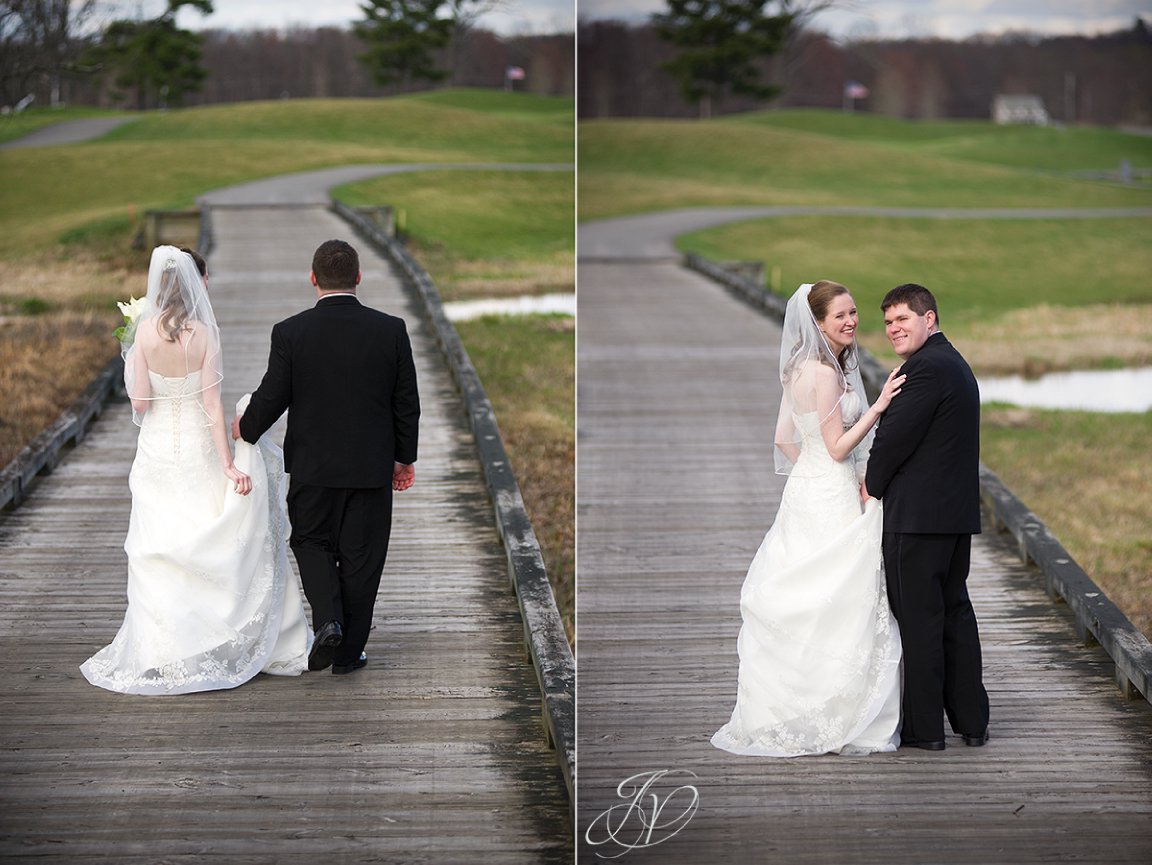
x=403, y=477
x=236, y=427
x=864, y=492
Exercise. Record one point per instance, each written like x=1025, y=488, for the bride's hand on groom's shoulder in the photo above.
x=403, y=476
x=891, y=388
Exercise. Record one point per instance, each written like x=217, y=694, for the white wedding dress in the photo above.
x=819, y=649
x=212, y=600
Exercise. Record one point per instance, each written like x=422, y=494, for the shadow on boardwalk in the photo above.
x=677, y=397
x=435, y=753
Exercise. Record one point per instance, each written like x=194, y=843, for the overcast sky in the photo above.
x=515, y=17
x=950, y=19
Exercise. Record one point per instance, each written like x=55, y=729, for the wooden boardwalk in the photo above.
x=433, y=754
x=677, y=401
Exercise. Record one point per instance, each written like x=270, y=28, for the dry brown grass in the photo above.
x=45, y=363
x=47, y=359
x=545, y=464
x=528, y=367
x=463, y=279
x=1089, y=478
x=1046, y=338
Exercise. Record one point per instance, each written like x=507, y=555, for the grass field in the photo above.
x=990, y=277
x=484, y=233
x=1046, y=149
x=1015, y=296
x=68, y=215
x=164, y=160
x=637, y=166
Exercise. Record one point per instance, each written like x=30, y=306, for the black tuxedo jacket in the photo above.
x=925, y=458
x=344, y=373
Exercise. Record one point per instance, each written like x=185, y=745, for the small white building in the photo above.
x=1019, y=109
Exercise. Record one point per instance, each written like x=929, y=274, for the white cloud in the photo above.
x=951, y=19
x=515, y=17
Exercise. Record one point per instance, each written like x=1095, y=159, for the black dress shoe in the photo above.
x=927, y=746
x=343, y=669
x=324, y=646
x=975, y=740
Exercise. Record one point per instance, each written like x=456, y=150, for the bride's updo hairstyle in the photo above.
x=819, y=299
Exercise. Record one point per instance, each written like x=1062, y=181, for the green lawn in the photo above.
x=633, y=166
x=979, y=269
x=165, y=160
x=1049, y=149
x=484, y=233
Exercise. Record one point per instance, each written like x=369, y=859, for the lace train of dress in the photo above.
x=212, y=600
x=819, y=649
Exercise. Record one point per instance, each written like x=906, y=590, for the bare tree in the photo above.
x=39, y=44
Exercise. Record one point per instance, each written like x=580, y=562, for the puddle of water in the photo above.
x=463, y=310
x=1109, y=390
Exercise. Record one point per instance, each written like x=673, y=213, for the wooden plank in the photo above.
x=432, y=754
x=677, y=397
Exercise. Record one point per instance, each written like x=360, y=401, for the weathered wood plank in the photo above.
x=432, y=754
x=677, y=396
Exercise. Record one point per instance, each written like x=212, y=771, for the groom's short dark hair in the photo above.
x=918, y=298
x=201, y=264
x=335, y=264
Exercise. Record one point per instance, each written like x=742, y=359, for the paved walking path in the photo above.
x=67, y=132
x=435, y=753
x=677, y=397
x=652, y=235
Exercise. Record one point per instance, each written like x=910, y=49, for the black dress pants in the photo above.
x=928, y=591
x=340, y=540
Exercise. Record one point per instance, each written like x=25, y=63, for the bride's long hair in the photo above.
x=176, y=300
x=173, y=318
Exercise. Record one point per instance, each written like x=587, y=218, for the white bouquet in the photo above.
x=132, y=310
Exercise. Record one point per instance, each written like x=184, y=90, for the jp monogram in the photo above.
x=649, y=815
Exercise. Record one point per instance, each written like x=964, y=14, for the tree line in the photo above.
x=631, y=71
x=66, y=51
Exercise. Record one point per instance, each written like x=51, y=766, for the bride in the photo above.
x=819, y=649
x=211, y=598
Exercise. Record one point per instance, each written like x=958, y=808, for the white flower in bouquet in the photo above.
x=132, y=310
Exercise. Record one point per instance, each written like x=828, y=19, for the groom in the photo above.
x=924, y=465
x=344, y=373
